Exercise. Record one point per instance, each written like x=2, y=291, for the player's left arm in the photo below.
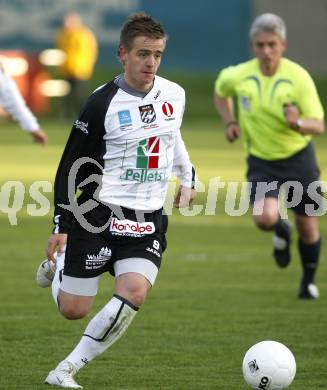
x=185, y=171
x=308, y=116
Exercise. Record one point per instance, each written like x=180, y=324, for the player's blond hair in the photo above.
x=268, y=23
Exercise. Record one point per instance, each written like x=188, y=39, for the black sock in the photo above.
x=282, y=229
x=309, y=254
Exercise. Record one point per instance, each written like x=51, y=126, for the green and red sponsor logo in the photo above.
x=147, y=162
x=148, y=153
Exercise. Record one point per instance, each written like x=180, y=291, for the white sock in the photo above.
x=58, y=276
x=103, y=330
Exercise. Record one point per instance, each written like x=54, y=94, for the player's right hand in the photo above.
x=232, y=132
x=57, y=241
x=184, y=197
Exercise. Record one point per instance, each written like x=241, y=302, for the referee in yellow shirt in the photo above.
x=278, y=112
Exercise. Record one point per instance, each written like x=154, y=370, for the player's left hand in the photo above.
x=184, y=197
x=40, y=137
x=291, y=113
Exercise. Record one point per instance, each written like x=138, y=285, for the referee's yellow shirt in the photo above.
x=260, y=102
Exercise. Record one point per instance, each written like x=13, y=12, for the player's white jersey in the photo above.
x=137, y=142
x=140, y=140
x=12, y=101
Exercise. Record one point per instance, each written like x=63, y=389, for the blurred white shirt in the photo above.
x=12, y=102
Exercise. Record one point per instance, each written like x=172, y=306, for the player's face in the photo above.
x=268, y=48
x=142, y=62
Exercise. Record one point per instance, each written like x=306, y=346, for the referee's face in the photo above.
x=268, y=48
x=142, y=61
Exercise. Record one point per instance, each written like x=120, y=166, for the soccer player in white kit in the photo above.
x=12, y=102
x=120, y=154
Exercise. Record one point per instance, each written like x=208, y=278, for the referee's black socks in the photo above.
x=282, y=229
x=309, y=254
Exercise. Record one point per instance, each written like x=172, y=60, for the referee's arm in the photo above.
x=225, y=108
x=302, y=125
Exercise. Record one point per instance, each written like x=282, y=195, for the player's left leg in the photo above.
x=309, y=246
x=134, y=278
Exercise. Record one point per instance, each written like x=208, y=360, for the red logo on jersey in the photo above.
x=167, y=109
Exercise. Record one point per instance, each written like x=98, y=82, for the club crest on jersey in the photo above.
x=148, y=115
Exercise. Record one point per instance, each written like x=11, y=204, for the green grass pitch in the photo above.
x=218, y=291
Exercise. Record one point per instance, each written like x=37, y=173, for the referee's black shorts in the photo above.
x=301, y=168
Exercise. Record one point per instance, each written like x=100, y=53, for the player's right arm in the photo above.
x=82, y=142
x=74, y=149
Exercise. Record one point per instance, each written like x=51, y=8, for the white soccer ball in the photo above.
x=269, y=365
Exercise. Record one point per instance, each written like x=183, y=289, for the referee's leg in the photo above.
x=267, y=217
x=309, y=245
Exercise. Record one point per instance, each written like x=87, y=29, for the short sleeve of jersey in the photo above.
x=226, y=81
x=310, y=104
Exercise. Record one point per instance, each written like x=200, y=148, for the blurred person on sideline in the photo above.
x=80, y=46
x=12, y=101
x=278, y=112
x=129, y=129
